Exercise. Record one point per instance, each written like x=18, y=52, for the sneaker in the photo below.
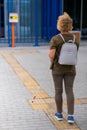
x=70, y=119
x=59, y=116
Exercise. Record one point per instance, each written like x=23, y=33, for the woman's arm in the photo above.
x=52, y=54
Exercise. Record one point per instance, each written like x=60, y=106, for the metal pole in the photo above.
x=13, y=35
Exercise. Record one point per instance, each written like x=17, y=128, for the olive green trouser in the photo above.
x=68, y=79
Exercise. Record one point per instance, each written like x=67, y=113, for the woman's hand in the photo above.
x=52, y=54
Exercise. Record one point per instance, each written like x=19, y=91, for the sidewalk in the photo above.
x=27, y=91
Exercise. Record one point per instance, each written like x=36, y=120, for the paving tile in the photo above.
x=21, y=78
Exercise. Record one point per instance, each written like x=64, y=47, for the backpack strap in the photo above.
x=64, y=39
x=73, y=38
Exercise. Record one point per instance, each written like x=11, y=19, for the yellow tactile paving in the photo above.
x=18, y=51
x=38, y=104
x=42, y=101
x=48, y=105
x=20, y=71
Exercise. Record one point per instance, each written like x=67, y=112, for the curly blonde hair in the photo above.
x=64, y=23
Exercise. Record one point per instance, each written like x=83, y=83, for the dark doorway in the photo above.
x=1, y=18
x=77, y=10
x=73, y=8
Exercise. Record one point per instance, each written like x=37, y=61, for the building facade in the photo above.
x=37, y=19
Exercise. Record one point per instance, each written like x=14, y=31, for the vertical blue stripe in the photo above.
x=54, y=18
x=51, y=9
x=44, y=18
x=20, y=24
x=10, y=9
x=56, y=11
x=0, y=23
x=30, y=25
x=48, y=19
x=36, y=22
x=60, y=7
x=24, y=20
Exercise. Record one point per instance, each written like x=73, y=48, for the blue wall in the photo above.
x=51, y=9
x=10, y=9
x=40, y=24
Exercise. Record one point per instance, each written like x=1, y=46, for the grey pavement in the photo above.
x=15, y=111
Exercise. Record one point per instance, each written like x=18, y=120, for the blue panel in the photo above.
x=0, y=22
x=10, y=9
x=56, y=11
x=44, y=18
x=48, y=19
x=51, y=9
x=29, y=29
x=60, y=7
x=54, y=17
x=36, y=22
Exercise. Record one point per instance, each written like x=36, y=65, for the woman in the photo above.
x=63, y=73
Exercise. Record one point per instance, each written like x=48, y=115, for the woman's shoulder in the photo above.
x=55, y=41
x=56, y=38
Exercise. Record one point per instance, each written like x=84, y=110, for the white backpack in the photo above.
x=68, y=52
